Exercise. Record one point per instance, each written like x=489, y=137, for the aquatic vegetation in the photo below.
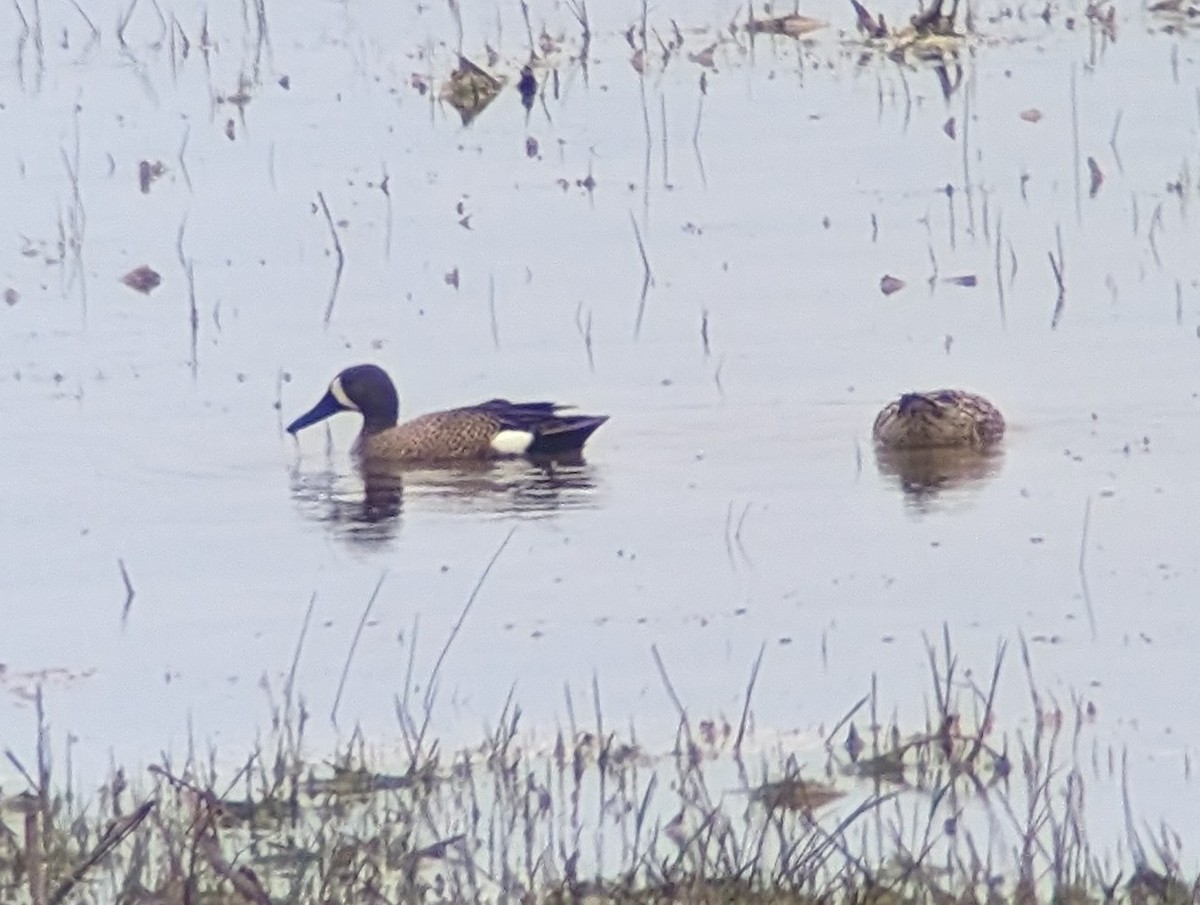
x=594, y=816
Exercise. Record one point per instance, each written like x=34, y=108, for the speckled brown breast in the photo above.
x=453, y=434
x=937, y=419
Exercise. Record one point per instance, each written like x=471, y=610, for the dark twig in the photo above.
x=187, y=177
x=117, y=832
x=1059, y=267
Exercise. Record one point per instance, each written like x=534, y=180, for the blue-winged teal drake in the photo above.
x=489, y=430
x=938, y=418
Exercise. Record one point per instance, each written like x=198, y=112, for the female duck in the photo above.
x=941, y=418
x=489, y=430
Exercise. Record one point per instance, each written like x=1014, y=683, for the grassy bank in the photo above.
x=952, y=812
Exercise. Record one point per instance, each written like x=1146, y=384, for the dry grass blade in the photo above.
x=114, y=836
x=337, y=698
x=242, y=879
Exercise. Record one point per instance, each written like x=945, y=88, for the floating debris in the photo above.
x=1032, y=115
x=704, y=57
x=143, y=279
x=934, y=23
x=1104, y=16
x=795, y=795
x=950, y=127
x=967, y=280
x=452, y=278
x=793, y=25
x=1176, y=13
x=890, y=284
x=929, y=46
x=930, y=34
x=239, y=98
x=11, y=296
x=867, y=23
x=148, y=173
x=469, y=89
x=527, y=86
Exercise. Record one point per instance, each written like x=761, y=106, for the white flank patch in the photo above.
x=512, y=443
x=340, y=395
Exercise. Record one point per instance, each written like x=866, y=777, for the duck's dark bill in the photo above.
x=319, y=412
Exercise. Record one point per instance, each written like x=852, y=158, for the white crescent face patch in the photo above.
x=512, y=443
x=339, y=394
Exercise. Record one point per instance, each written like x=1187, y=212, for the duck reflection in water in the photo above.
x=366, y=505
x=924, y=474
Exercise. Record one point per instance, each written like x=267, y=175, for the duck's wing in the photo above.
x=537, y=428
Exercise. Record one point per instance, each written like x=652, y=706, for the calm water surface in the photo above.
x=733, y=500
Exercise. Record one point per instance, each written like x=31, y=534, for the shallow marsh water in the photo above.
x=733, y=500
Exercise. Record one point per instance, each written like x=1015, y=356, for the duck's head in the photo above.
x=924, y=403
x=366, y=389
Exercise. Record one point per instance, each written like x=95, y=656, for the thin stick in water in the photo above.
x=1075, y=160
x=1112, y=142
x=431, y=683
x=290, y=684
x=584, y=328
x=337, y=698
x=386, y=188
x=662, y=671
x=662, y=98
x=1083, y=581
x=341, y=258
x=999, y=271
x=741, y=734
x=1059, y=267
x=189, y=272
x=129, y=591
x=647, y=275
x=492, y=310
x=187, y=177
